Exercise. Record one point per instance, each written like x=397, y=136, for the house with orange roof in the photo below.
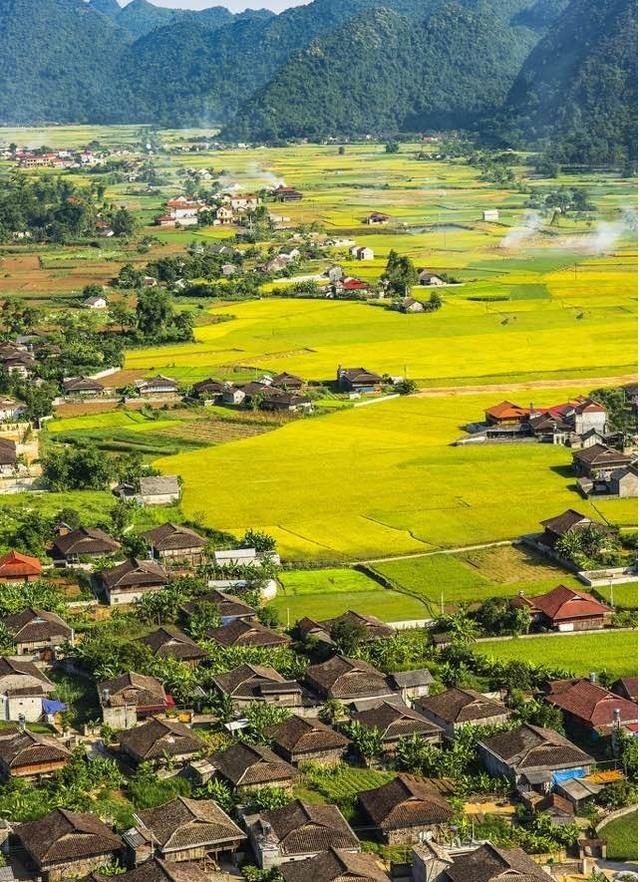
x=506, y=413
x=18, y=567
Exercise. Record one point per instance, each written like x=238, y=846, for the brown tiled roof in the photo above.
x=82, y=384
x=172, y=537
x=226, y=604
x=360, y=375
x=300, y=828
x=490, y=864
x=172, y=643
x=133, y=688
x=287, y=381
x=376, y=629
x=600, y=456
x=593, y=705
x=302, y=735
x=85, y=540
x=556, y=804
x=461, y=706
x=66, y=836
x=155, y=870
x=253, y=681
x=627, y=687
x=35, y=682
x=334, y=865
x=530, y=747
x=8, y=453
x=29, y=749
x=134, y=573
x=406, y=801
x=568, y=520
x=246, y=765
x=209, y=385
x=241, y=633
x=156, y=738
x=345, y=678
x=36, y=625
x=394, y=721
x=188, y=823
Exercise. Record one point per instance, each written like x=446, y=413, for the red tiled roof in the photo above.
x=593, y=704
x=565, y=603
x=15, y=564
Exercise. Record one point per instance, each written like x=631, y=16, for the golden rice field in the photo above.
x=383, y=479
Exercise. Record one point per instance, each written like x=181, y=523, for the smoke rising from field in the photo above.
x=252, y=172
x=603, y=239
x=517, y=237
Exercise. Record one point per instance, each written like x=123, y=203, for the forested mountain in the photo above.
x=560, y=71
x=384, y=72
x=56, y=64
x=579, y=84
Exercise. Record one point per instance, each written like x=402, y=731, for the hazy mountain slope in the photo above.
x=581, y=80
x=140, y=17
x=384, y=72
x=106, y=7
x=54, y=66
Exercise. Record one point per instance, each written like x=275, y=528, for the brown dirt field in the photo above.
x=437, y=391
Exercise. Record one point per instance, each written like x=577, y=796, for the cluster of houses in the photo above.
x=55, y=159
x=603, y=463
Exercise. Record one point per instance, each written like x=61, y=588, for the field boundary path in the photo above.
x=522, y=386
x=620, y=813
x=456, y=550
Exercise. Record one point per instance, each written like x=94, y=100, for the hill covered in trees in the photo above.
x=578, y=87
x=560, y=71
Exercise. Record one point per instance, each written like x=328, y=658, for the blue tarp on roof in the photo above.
x=569, y=773
x=50, y=706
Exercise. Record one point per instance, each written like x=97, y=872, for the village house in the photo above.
x=533, y=757
x=490, y=214
x=131, y=580
x=568, y=522
x=394, y=721
x=82, y=387
x=371, y=627
x=224, y=215
x=278, y=400
x=301, y=740
x=8, y=458
x=248, y=683
x=358, y=380
x=590, y=709
x=63, y=844
x=209, y=390
x=38, y=632
x=157, y=740
x=377, y=219
x=131, y=697
x=25, y=754
x=506, y=413
x=252, y=767
x=287, y=382
x=627, y=687
x=298, y=831
x=406, y=809
x=16, y=361
x=16, y=567
x=24, y=691
x=153, y=869
x=85, y=542
x=170, y=642
x=243, y=633
x=160, y=490
x=286, y=194
x=11, y=411
x=412, y=684
x=455, y=708
x=429, y=279
x=157, y=387
x=233, y=395
x=599, y=462
x=175, y=543
x=335, y=865
x=347, y=679
x=486, y=863
x=245, y=557
x=229, y=607
x=188, y=830
x=95, y=302
x=565, y=609
x=359, y=252
x=410, y=306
